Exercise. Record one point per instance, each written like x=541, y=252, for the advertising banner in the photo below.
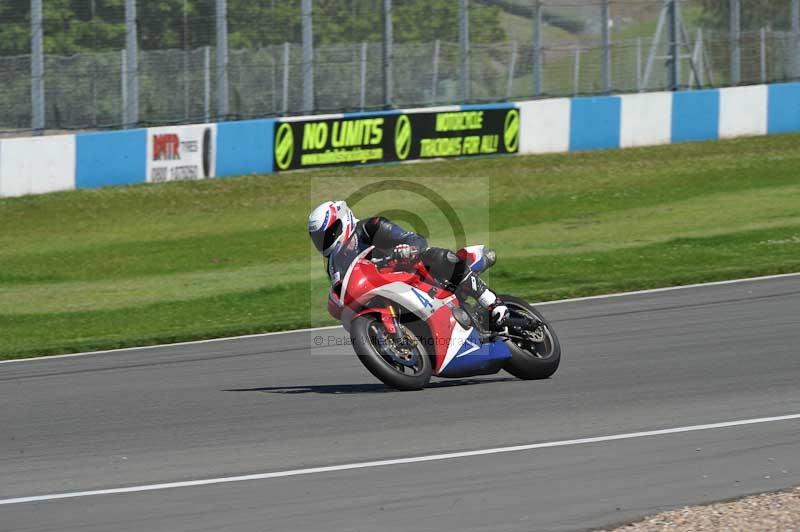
x=392, y=137
x=176, y=153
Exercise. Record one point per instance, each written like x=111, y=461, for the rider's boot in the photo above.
x=473, y=286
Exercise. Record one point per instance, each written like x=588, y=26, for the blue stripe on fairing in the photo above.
x=695, y=115
x=783, y=108
x=486, y=360
x=595, y=123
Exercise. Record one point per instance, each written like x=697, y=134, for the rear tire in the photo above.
x=537, y=360
x=364, y=331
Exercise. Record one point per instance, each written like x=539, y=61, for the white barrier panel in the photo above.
x=544, y=126
x=176, y=153
x=743, y=111
x=37, y=165
x=646, y=119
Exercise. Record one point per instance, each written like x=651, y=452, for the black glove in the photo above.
x=405, y=253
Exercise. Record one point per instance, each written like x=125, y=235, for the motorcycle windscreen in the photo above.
x=473, y=358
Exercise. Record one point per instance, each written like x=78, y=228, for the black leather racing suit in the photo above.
x=444, y=265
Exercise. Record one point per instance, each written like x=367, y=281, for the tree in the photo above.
x=755, y=14
x=73, y=26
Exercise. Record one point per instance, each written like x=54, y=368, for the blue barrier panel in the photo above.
x=594, y=123
x=695, y=115
x=110, y=158
x=783, y=108
x=245, y=147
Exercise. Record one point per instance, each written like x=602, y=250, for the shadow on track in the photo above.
x=345, y=389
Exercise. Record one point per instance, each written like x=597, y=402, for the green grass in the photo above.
x=136, y=265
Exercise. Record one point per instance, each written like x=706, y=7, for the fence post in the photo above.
x=124, y=85
x=674, y=47
x=511, y=68
x=37, y=68
x=186, y=107
x=132, y=62
x=387, y=53
x=537, y=48
x=363, y=75
x=435, y=81
x=576, y=74
x=287, y=50
x=308, y=56
x=796, y=36
x=605, y=67
x=222, y=58
x=735, y=38
x=763, y=54
x=639, y=64
x=697, y=76
x=463, y=33
x=207, y=83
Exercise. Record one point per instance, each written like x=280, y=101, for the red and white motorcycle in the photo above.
x=405, y=327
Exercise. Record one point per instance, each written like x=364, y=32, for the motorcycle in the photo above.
x=405, y=327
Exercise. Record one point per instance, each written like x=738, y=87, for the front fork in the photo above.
x=388, y=316
x=389, y=320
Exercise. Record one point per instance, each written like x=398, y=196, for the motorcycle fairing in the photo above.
x=459, y=350
x=410, y=297
x=488, y=359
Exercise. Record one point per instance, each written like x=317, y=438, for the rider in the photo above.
x=332, y=223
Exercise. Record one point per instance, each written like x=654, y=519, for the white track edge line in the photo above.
x=329, y=327
x=176, y=344
x=669, y=289
x=396, y=461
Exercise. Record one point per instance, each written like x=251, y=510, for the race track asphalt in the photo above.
x=635, y=363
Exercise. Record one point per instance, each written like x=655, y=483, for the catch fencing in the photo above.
x=109, y=65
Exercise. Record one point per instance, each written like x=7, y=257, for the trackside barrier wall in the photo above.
x=595, y=123
x=743, y=111
x=783, y=108
x=113, y=158
x=37, y=165
x=244, y=147
x=695, y=116
x=545, y=126
x=646, y=119
x=89, y=160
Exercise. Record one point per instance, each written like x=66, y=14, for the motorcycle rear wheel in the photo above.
x=401, y=368
x=535, y=359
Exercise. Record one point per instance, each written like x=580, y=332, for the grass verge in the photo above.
x=136, y=265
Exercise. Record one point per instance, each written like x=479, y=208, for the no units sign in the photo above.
x=388, y=137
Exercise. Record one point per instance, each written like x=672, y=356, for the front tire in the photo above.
x=535, y=359
x=404, y=368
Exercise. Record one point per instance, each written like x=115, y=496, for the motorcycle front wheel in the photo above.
x=538, y=354
x=401, y=361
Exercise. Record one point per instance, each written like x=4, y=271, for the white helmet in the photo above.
x=330, y=225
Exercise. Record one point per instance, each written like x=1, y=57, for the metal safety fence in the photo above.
x=102, y=64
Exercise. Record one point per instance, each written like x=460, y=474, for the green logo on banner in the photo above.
x=402, y=137
x=284, y=146
x=511, y=131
